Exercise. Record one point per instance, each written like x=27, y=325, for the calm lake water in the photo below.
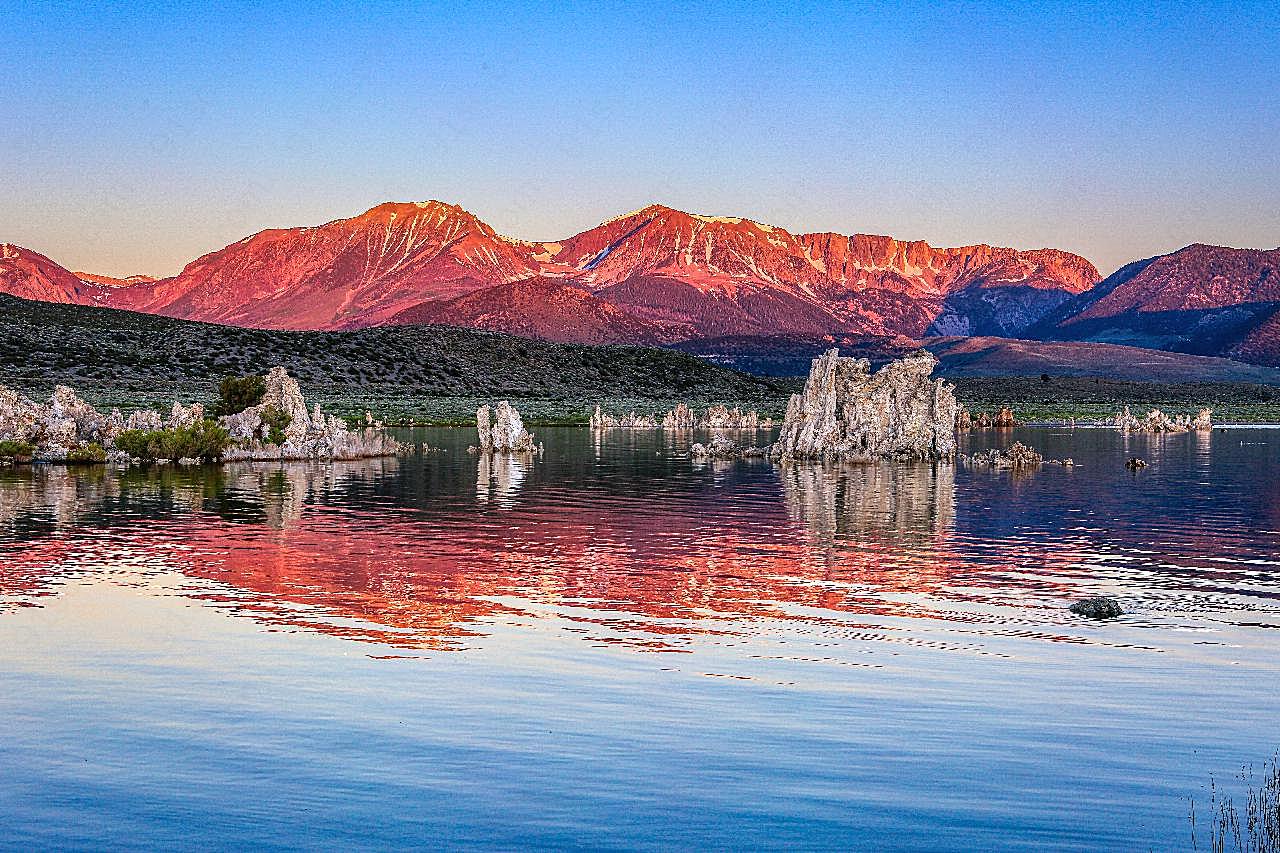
x=616, y=647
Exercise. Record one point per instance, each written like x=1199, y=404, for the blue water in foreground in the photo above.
x=616, y=647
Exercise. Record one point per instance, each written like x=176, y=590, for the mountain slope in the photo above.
x=669, y=274
x=548, y=309
x=349, y=272
x=33, y=276
x=1208, y=300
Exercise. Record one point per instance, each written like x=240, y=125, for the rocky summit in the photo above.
x=847, y=412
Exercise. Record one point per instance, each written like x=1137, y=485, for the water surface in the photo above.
x=616, y=646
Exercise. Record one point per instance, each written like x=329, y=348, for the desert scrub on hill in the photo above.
x=204, y=440
x=89, y=348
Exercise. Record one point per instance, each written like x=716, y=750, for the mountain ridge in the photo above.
x=692, y=273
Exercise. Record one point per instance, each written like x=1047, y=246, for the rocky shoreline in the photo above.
x=278, y=427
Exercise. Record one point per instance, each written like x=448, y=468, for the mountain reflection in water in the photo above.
x=641, y=547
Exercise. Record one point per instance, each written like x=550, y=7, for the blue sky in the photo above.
x=136, y=139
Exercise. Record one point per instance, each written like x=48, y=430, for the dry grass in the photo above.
x=1257, y=828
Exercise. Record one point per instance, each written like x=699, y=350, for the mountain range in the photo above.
x=658, y=276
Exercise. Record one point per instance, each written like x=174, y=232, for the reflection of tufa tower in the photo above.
x=905, y=503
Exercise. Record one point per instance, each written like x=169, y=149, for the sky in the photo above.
x=133, y=140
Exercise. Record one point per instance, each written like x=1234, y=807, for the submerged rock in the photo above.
x=502, y=430
x=847, y=412
x=1097, y=607
x=1157, y=421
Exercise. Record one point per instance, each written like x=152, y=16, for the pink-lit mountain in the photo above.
x=655, y=275
x=661, y=276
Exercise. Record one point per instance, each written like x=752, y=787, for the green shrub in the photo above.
x=237, y=393
x=204, y=440
x=20, y=450
x=277, y=422
x=87, y=454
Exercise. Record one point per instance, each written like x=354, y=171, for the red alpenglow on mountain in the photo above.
x=1206, y=300
x=653, y=276
x=33, y=276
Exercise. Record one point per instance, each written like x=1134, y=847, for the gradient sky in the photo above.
x=135, y=140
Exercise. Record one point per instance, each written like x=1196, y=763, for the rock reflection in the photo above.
x=905, y=503
x=639, y=549
x=499, y=475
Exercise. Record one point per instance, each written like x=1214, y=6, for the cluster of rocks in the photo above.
x=846, y=412
x=1097, y=607
x=721, y=447
x=1157, y=421
x=308, y=435
x=1017, y=455
x=682, y=417
x=985, y=420
x=501, y=430
x=68, y=428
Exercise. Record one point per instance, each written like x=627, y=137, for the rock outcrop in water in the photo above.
x=1097, y=607
x=721, y=447
x=603, y=420
x=1018, y=455
x=307, y=435
x=848, y=412
x=1157, y=421
x=1003, y=419
x=501, y=430
x=68, y=428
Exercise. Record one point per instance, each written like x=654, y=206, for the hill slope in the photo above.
x=1208, y=300
x=42, y=343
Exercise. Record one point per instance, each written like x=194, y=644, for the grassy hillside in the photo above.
x=409, y=373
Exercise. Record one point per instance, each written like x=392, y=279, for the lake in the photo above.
x=614, y=646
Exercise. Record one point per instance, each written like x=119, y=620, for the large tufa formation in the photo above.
x=1157, y=421
x=307, y=434
x=502, y=430
x=848, y=412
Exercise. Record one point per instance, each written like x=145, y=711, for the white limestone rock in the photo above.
x=501, y=430
x=847, y=412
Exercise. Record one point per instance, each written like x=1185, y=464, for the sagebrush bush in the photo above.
x=277, y=422
x=237, y=393
x=16, y=450
x=204, y=440
x=87, y=453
